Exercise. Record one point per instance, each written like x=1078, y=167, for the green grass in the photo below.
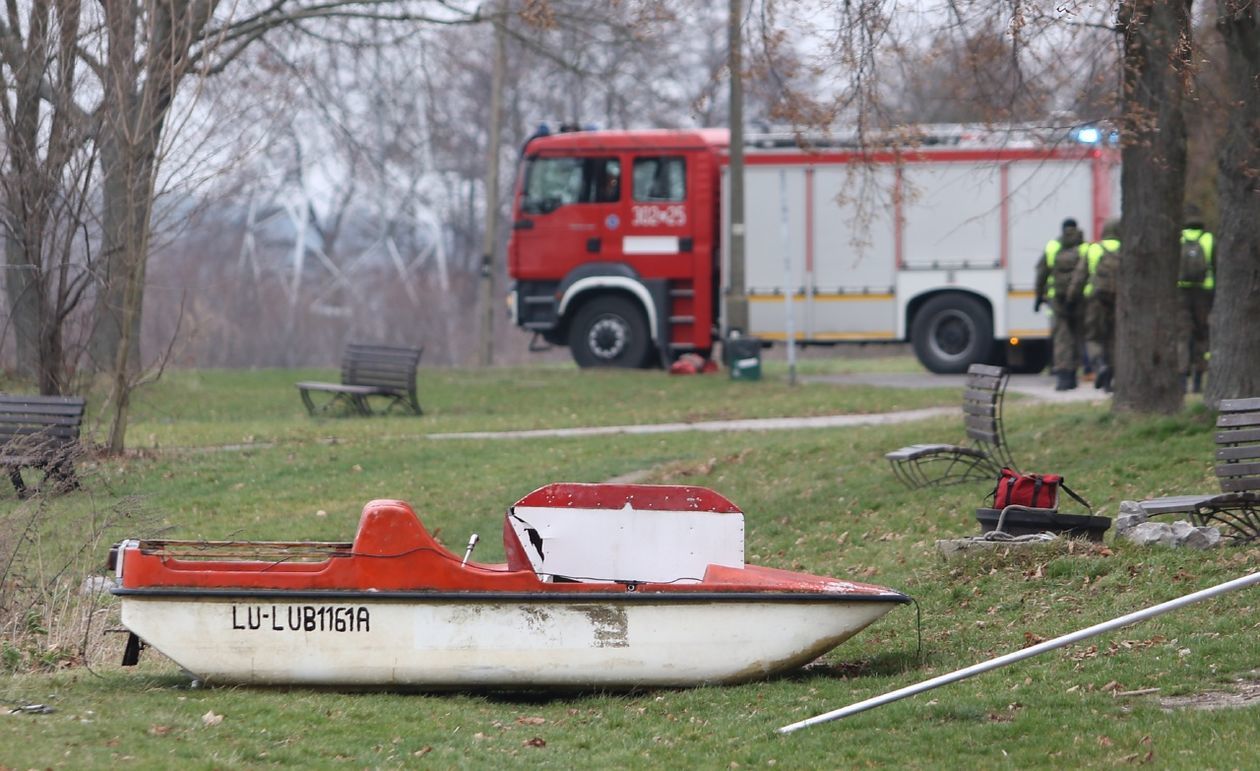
x=201, y=407
x=817, y=500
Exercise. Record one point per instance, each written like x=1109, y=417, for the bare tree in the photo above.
x=44, y=180
x=978, y=79
x=1235, y=365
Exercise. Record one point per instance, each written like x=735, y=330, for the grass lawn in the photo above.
x=233, y=455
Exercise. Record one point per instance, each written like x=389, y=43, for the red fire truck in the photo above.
x=617, y=246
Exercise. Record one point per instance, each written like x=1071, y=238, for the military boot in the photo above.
x=1103, y=381
x=1198, y=382
x=1063, y=380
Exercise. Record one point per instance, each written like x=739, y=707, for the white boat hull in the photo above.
x=372, y=641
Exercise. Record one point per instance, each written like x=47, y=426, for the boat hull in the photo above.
x=460, y=640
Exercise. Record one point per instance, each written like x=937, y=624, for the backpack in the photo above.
x=1064, y=264
x=1194, y=264
x=1107, y=272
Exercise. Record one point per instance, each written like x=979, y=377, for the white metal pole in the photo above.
x=1011, y=658
x=788, y=285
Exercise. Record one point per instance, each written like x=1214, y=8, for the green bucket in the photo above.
x=743, y=358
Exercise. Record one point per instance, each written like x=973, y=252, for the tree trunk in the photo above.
x=1156, y=64
x=1234, y=371
x=127, y=170
x=22, y=290
x=28, y=186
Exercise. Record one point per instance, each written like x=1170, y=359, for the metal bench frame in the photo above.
x=40, y=432
x=1236, y=509
x=368, y=371
x=925, y=465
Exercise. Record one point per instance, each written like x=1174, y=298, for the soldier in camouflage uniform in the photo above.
x=1054, y=274
x=1094, y=282
x=1196, y=284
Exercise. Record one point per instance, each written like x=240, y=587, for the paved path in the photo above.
x=1038, y=388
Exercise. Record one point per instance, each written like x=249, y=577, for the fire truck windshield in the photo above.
x=554, y=182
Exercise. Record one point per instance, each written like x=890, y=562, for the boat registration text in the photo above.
x=301, y=618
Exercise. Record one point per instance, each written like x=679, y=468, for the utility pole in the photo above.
x=736, y=299
x=490, y=238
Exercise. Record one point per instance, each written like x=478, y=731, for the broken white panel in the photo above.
x=627, y=544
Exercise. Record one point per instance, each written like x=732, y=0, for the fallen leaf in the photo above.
x=531, y=720
x=537, y=741
x=1105, y=741
x=159, y=730
x=211, y=719
x=425, y=750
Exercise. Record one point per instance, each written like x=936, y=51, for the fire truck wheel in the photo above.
x=951, y=332
x=610, y=332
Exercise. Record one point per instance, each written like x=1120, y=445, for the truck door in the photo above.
x=570, y=214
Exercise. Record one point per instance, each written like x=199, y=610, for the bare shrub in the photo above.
x=54, y=602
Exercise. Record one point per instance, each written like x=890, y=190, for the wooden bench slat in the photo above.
x=44, y=433
x=39, y=410
x=983, y=410
x=987, y=369
x=980, y=397
x=1237, y=469
x=984, y=383
x=988, y=437
x=1240, y=485
x=979, y=423
x=1232, y=419
x=29, y=419
x=1239, y=452
x=1240, y=405
x=77, y=402
x=1238, y=436
x=337, y=387
x=1173, y=504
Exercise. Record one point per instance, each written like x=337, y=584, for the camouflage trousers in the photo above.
x=1066, y=333
x=1193, y=340
x=1100, y=328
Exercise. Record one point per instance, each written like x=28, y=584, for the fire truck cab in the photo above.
x=617, y=242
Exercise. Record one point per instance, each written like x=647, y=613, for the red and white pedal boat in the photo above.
x=605, y=586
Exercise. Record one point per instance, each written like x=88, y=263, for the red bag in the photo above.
x=1037, y=491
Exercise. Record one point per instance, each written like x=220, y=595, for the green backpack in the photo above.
x=1064, y=264
x=1107, y=273
x=1194, y=265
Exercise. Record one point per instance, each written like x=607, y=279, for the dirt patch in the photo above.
x=1245, y=693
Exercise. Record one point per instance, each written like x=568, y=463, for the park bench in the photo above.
x=40, y=432
x=1237, y=506
x=985, y=455
x=370, y=371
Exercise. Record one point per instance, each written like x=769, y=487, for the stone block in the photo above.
x=1129, y=516
x=1151, y=534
